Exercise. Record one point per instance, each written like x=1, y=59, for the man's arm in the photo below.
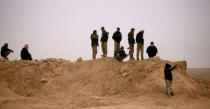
x=129, y=38
x=173, y=68
x=94, y=37
x=156, y=50
x=147, y=50
x=170, y=69
x=10, y=50
x=120, y=38
x=29, y=56
x=113, y=37
x=137, y=36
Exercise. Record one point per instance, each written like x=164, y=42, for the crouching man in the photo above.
x=5, y=51
x=168, y=79
x=25, y=55
x=152, y=50
x=120, y=54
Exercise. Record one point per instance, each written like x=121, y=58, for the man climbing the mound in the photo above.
x=168, y=79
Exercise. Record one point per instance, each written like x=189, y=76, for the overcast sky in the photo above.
x=61, y=28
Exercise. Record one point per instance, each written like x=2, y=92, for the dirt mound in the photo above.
x=101, y=77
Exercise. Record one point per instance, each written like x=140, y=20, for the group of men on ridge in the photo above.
x=119, y=52
x=25, y=55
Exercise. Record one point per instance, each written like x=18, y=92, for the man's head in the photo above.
x=6, y=44
x=118, y=29
x=122, y=48
x=102, y=28
x=95, y=32
x=26, y=46
x=167, y=65
x=132, y=30
x=152, y=43
x=142, y=31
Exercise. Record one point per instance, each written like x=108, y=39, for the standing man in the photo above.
x=168, y=79
x=152, y=50
x=104, y=39
x=5, y=51
x=131, y=42
x=25, y=55
x=94, y=43
x=140, y=44
x=117, y=37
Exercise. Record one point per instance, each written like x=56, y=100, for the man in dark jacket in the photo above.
x=120, y=54
x=117, y=37
x=5, y=51
x=104, y=40
x=168, y=79
x=94, y=43
x=152, y=50
x=131, y=43
x=140, y=44
x=25, y=55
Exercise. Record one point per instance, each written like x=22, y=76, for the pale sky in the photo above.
x=61, y=28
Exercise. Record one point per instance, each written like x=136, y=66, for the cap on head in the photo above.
x=94, y=31
x=132, y=29
x=26, y=46
x=121, y=47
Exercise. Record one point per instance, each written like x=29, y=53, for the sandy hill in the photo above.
x=104, y=77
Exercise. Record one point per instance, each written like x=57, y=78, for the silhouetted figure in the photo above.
x=140, y=44
x=131, y=42
x=152, y=50
x=5, y=51
x=104, y=40
x=168, y=79
x=94, y=43
x=117, y=37
x=25, y=55
x=120, y=54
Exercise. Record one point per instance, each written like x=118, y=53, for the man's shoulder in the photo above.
x=150, y=47
x=3, y=47
x=138, y=33
x=117, y=32
x=154, y=47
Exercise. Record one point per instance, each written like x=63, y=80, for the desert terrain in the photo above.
x=202, y=73
x=100, y=84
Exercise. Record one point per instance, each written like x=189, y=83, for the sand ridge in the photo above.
x=101, y=82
